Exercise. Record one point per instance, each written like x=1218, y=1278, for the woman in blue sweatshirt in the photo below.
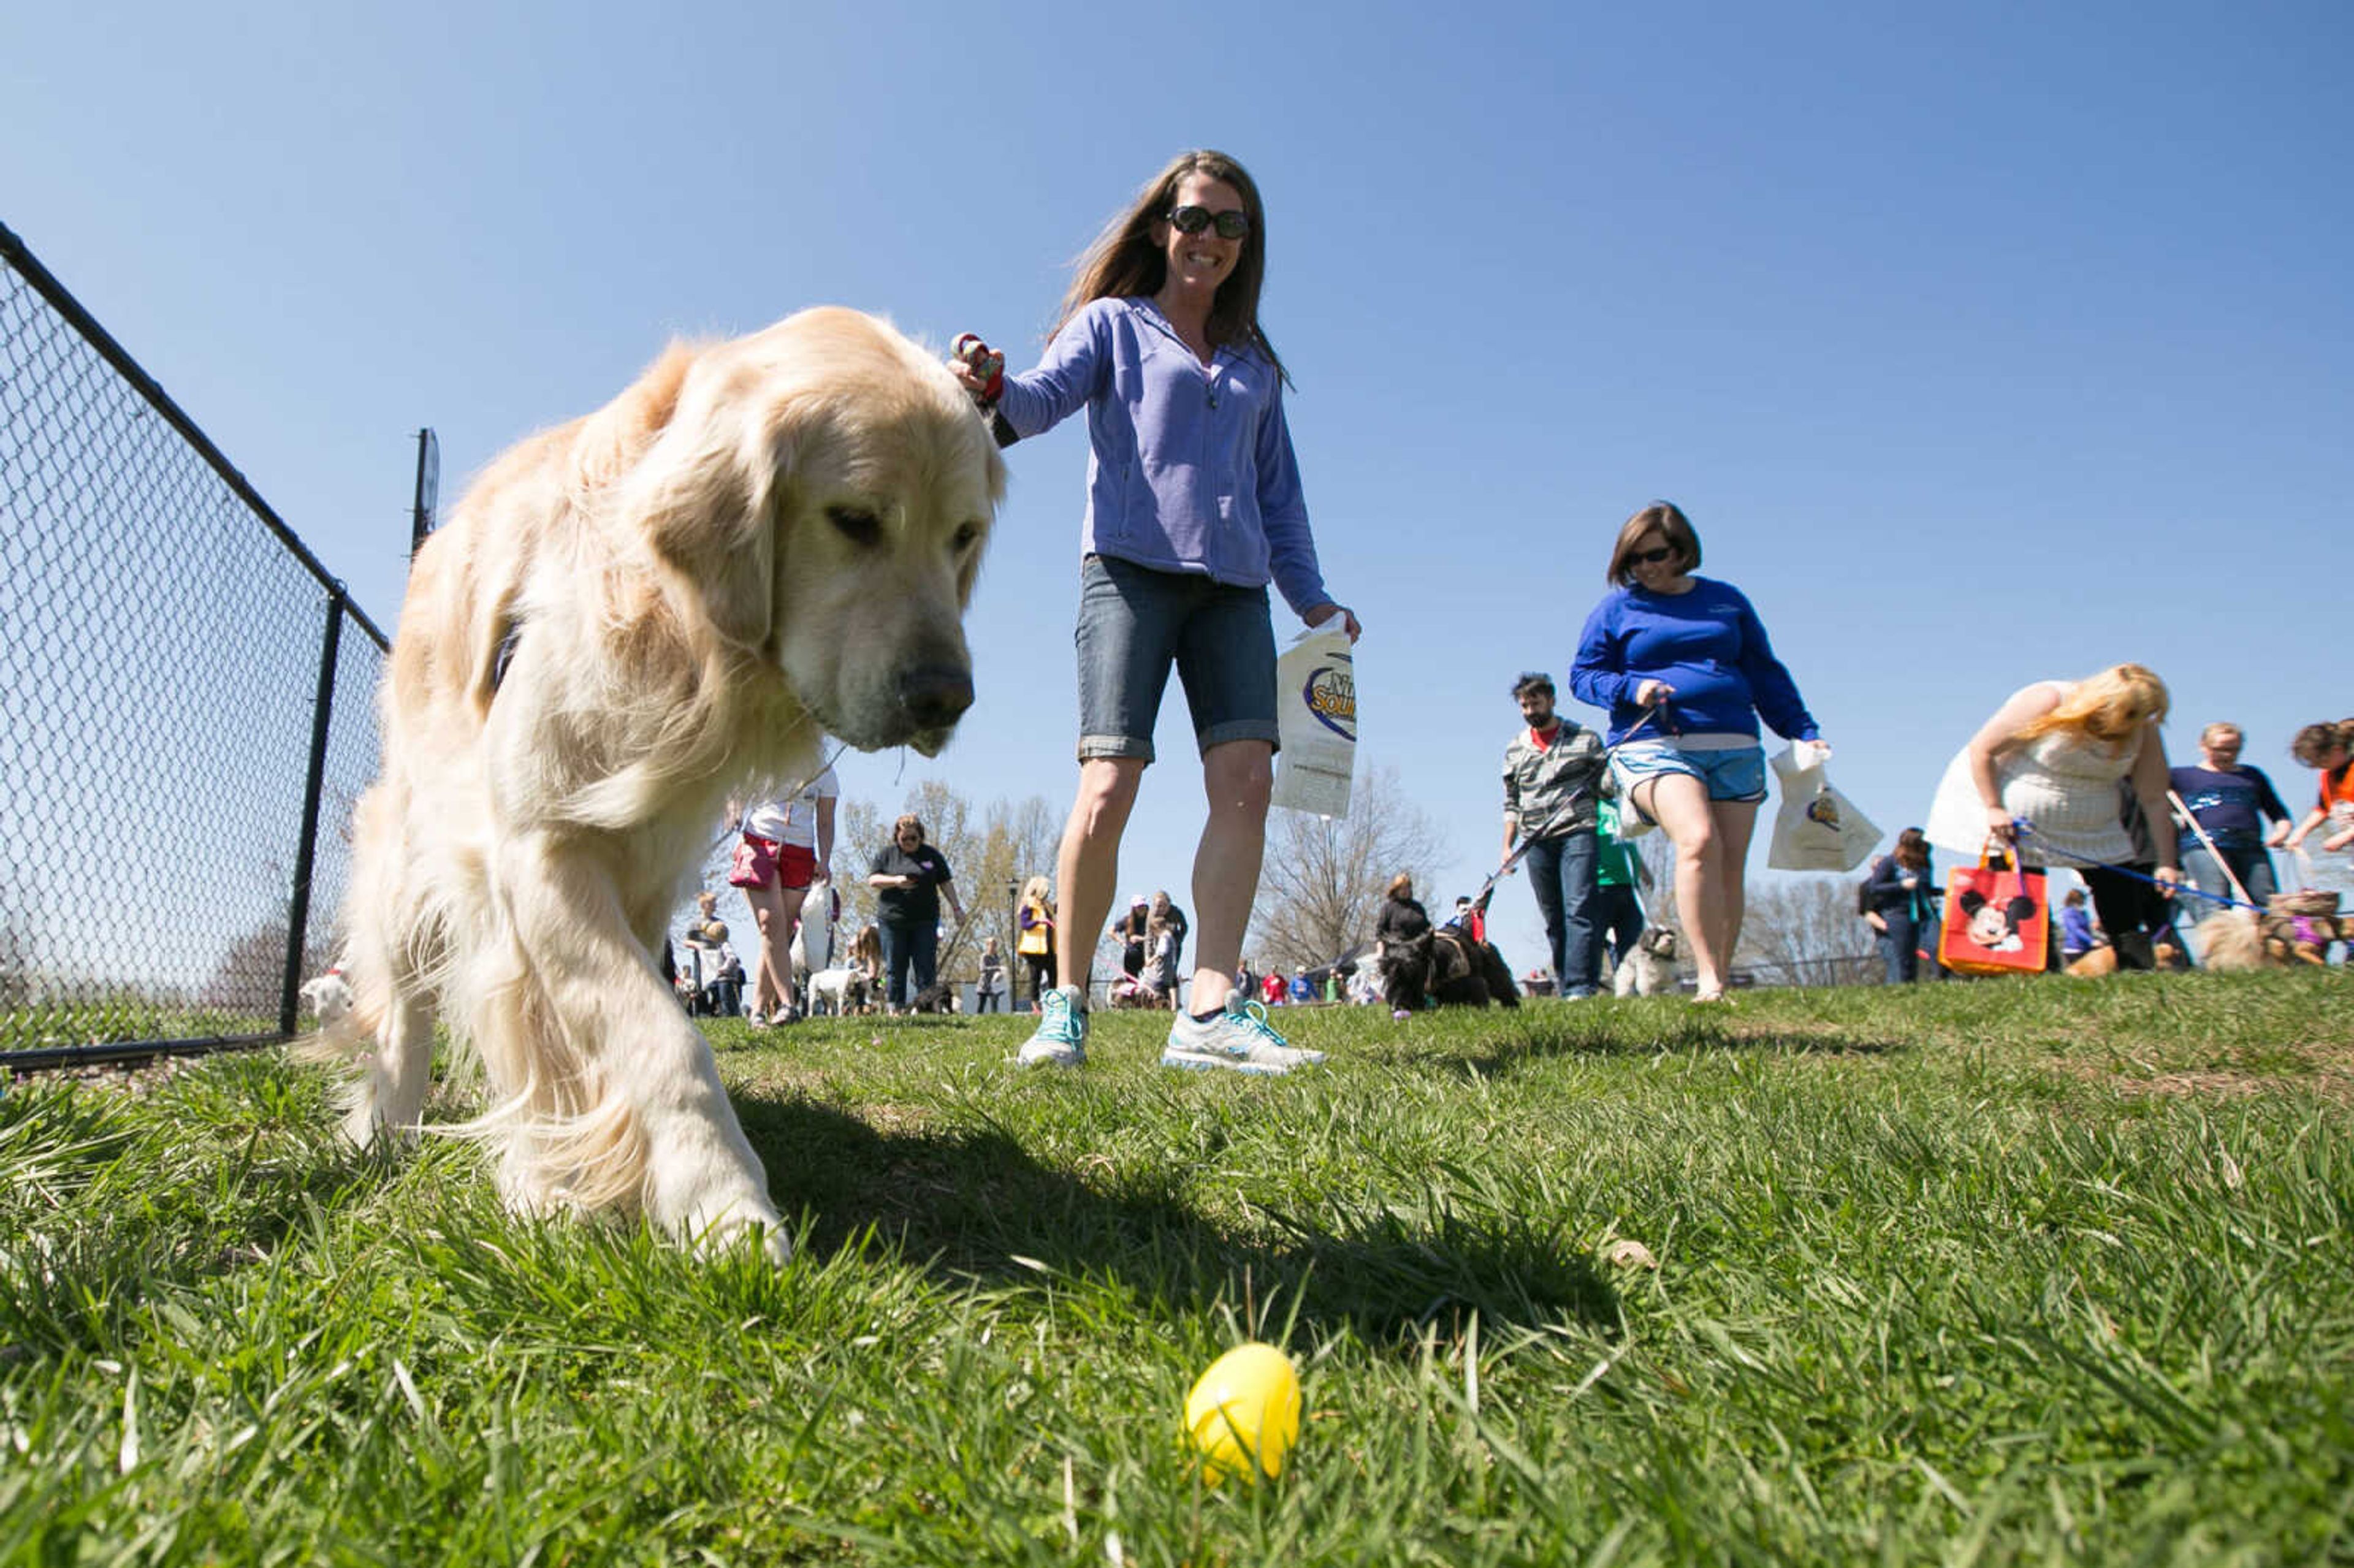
x=1689, y=653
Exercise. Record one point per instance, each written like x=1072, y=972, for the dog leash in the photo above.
x=2023, y=829
x=2230, y=876
x=1568, y=809
x=737, y=828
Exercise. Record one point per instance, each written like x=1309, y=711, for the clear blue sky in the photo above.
x=1981, y=344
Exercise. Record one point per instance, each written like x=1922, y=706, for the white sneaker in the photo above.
x=1062, y=1037
x=1238, y=1039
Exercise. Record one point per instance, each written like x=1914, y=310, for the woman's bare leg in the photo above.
x=1086, y=868
x=1237, y=776
x=1679, y=803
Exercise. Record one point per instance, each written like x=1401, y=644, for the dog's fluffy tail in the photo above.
x=2230, y=941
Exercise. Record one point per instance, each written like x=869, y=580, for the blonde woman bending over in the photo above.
x=2052, y=757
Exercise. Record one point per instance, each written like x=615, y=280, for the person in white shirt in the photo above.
x=795, y=833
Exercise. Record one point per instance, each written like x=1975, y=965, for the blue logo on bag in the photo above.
x=1332, y=696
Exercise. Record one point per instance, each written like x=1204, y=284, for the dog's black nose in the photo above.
x=935, y=696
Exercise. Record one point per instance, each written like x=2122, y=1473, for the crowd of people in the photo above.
x=1193, y=507
x=2074, y=775
x=2064, y=775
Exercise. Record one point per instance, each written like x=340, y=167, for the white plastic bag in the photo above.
x=1817, y=828
x=1316, y=714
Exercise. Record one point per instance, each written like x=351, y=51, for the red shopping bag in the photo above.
x=1998, y=919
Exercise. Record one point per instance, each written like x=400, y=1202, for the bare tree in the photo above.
x=991, y=853
x=1324, y=877
x=1657, y=852
x=858, y=834
x=1804, y=930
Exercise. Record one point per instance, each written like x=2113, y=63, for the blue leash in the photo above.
x=2023, y=829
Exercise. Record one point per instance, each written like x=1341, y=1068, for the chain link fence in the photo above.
x=186, y=709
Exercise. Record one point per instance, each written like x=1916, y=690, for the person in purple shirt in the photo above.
x=1683, y=665
x=2231, y=802
x=1194, y=504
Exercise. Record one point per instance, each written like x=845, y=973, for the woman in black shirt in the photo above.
x=910, y=878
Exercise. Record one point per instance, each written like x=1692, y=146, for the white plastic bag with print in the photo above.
x=1316, y=714
x=1817, y=828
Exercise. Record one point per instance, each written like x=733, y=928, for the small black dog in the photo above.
x=1446, y=966
x=937, y=997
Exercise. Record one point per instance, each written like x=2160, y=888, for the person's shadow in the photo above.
x=975, y=1205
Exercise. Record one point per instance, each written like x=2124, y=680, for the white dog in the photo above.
x=838, y=991
x=1650, y=968
x=628, y=618
x=329, y=997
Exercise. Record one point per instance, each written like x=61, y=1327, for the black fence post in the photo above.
x=428, y=489
x=298, y=912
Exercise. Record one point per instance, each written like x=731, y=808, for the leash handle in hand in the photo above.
x=990, y=366
x=1568, y=809
x=984, y=362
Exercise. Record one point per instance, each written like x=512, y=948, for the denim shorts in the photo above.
x=1136, y=623
x=1736, y=775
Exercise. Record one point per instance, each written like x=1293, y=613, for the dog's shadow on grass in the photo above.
x=975, y=1205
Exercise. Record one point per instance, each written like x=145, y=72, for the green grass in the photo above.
x=2000, y=1273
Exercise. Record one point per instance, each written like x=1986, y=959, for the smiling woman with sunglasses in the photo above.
x=1689, y=652
x=1194, y=504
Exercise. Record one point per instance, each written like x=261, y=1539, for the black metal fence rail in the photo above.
x=184, y=724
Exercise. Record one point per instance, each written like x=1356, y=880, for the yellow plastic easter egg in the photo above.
x=1246, y=1408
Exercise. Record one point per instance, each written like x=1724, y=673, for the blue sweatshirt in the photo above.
x=1707, y=643
x=1189, y=469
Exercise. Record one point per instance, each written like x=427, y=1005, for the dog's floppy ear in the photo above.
x=704, y=495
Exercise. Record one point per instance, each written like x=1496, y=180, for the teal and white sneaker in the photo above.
x=1062, y=1037
x=1239, y=1039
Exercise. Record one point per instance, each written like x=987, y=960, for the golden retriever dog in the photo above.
x=628, y=619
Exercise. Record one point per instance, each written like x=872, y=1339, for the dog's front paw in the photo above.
x=712, y=1198
x=734, y=1229
x=717, y=1232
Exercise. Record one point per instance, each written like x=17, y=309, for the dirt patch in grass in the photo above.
x=138, y=1079
x=2324, y=1068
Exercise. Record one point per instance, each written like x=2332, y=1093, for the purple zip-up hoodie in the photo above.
x=1190, y=470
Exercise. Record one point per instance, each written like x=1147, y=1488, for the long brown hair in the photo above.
x=1125, y=260
x=2316, y=741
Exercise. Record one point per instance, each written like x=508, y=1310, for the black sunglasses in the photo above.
x=1233, y=223
x=1653, y=557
